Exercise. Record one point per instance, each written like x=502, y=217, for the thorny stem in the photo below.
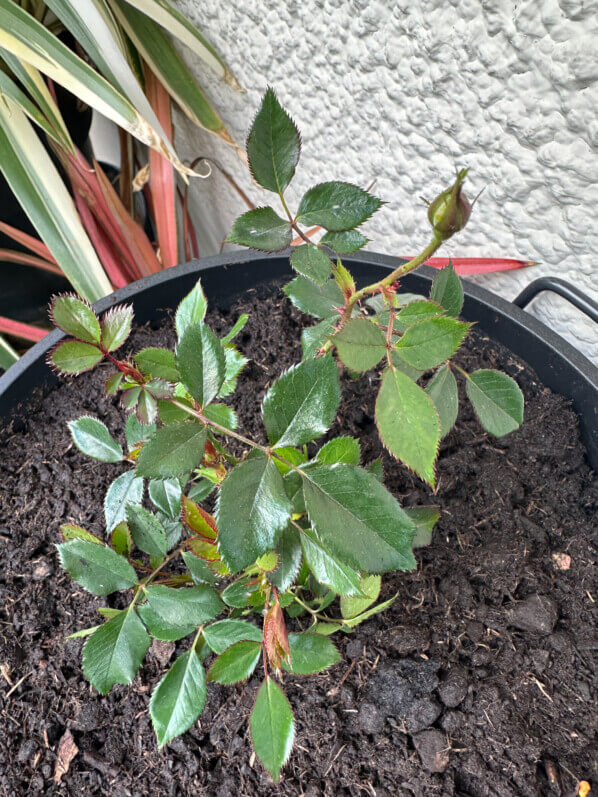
x=399, y=272
x=229, y=433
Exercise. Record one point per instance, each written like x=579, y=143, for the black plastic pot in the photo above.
x=559, y=366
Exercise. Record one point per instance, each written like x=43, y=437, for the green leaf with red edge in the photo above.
x=113, y=383
x=236, y=663
x=113, y=654
x=199, y=569
x=360, y=344
x=116, y=326
x=408, y=423
x=179, y=698
x=261, y=229
x=92, y=437
x=74, y=357
x=311, y=262
x=197, y=519
x=75, y=317
x=201, y=363
x=336, y=206
x=173, y=450
x=272, y=727
x=70, y=531
x=310, y=653
x=273, y=145
x=431, y=342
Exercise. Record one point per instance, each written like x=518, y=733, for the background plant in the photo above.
x=126, y=67
x=297, y=524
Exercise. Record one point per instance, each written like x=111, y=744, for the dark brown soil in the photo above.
x=478, y=681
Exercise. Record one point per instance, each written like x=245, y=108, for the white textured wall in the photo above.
x=405, y=91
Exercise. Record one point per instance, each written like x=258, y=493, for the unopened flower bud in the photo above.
x=450, y=211
x=276, y=640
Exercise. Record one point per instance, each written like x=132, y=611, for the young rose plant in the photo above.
x=297, y=524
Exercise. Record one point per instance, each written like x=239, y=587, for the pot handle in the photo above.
x=564, y=289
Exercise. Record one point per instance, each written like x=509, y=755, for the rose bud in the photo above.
x=450, y=211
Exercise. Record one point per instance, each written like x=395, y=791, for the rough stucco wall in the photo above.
x=405, y=91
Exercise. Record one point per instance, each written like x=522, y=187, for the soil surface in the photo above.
x=477, y=681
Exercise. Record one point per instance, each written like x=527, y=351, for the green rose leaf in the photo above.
x=442, y=389
x=184, y=606
x=252, y=510
x=121, y=540
x=173, y=450
x=97, y=568
x=200, y=361
x=116, y=326
x=431, y=342
x=272, y=727
x=273, y=145
x=191, y=310
x=262, y=229
x=137, y=432
x=74, y=357
x=71, y=532
x=358, y=519
x=125, y=489
x=236, y=663
x=447, y=290
x=146, y=530
x=223, y=415
x=344, y=243
x=235, y=329
x=158, y=363
x=113, y=654
x=336, y=206
x=313, y=338
x=75, y=317
x=160, y=629
x=234, y=362
x=408, y=423
x=424, y=519
x=166, y=495
x=352, y=606
x=335, y=575
x=93, y=438
x=238, y=593
x=381, y=607
x=179, y=698
x=414, y=312
x=361, y=345
x=288, y=549
x=321, y=302
x=311, y=262
x=311, y=653
x=224, y=633
x=341, y=449
x=301, y=405
x=199, y=569
x=497, y=401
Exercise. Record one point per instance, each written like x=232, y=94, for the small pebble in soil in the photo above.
x=453, y=689
x=433, y=750
x=537, y=614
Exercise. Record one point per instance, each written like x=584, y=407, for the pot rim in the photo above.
x=566, y=370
